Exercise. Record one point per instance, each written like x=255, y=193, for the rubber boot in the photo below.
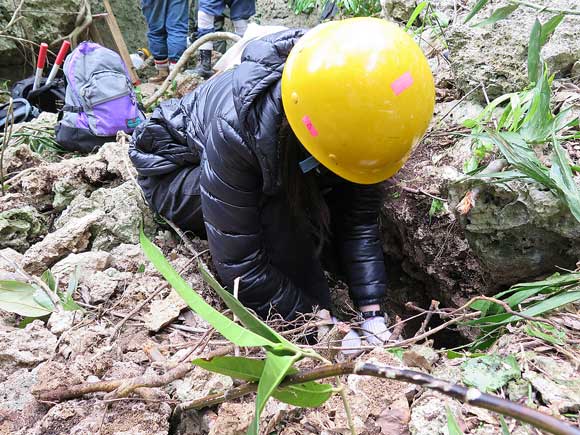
x=162, y=68
x=203, y=68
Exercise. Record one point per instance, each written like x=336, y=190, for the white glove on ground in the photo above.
x=350, y=340
x=375, y=331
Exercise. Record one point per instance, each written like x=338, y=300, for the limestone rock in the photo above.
x=61, y=321
x=233, y=419
x=164, y=311
x=18, y=407
x=496, y=55
x=20, y=226
x=123, y=210
x=519, y=230
x=99, y=286
x=87, y=263
x=8, y=259
x=128, y=258
x=19, y=157
x=69, y=238
x=199, y=383
x=25, y=347
x=557, y=382
x=429, y=416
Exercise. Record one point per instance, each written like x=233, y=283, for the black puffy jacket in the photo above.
x=227, y=131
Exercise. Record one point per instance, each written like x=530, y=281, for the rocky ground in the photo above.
x=72, y=213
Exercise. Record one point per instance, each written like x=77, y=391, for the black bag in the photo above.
x=48, y=98
x=22, y=111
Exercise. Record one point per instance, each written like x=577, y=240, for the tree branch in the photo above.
x=216, y=36
x=470, y=396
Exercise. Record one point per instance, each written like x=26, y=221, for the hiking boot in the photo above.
x=162, y=68
x=203, y=68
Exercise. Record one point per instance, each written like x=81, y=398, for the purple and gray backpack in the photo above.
x=100, y=99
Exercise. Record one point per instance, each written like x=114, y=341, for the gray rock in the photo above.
x=72, y=237
x=519, y=230
x=25, y=347
x=18, y=406
x=100, y=286
x=497, y=55
x=279, y=13
x=61, y=321
x=557, y=382
x=128, y=258
x=20, y=226
x=429, y=416
x=123, y=210
x=9, y=259
x=87, y=263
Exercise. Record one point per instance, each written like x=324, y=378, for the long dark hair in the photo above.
x=305, y=198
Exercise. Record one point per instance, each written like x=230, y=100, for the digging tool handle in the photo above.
x=59, y=61
x=40, y=65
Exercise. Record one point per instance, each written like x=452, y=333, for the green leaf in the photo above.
x=246, y=318
x=546, y=332
x=452, y=425
x=436, y=208
x=229, y=329
x=490, y=372
x=548, y=305
x=504, y=428
x=480, y=4
x=22, y=298
x=562, y=175
x=306, y=395
x=275, y=369
x=549, y=27
x=49, y=279
x=534, y=47
x=498, y=14
x=68, y=302
x=418, y=9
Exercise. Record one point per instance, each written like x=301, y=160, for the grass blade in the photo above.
x=275, y=369
x=562, y=175
x=452, y=425
x=498, y=14
x=246, y=318
x=415, y=14
x=549, y=27
x=229, y=329
x=534, y=47
x=478, y=6
x=306, y=395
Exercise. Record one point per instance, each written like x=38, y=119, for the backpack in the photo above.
x=99, y=100
x=47, y=98
x=22, y=111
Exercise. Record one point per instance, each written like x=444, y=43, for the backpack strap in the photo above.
x=73, y=109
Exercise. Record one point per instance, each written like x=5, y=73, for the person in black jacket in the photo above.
x=226, y=161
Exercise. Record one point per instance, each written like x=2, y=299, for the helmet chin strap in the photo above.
x=308, y=164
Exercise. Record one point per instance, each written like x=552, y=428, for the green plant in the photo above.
x=452, y=425
x=281, y=354
x=276, y=376
x=532, y=299
x=527, y=121
x=437, y=206
x=33, y=301
x=354, y=8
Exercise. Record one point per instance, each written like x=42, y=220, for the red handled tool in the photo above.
x=59, y=61
x=41, y=61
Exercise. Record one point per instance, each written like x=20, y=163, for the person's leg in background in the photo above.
x=177, y=25
x=241, y=11
x=155, y=15
x=208, y=10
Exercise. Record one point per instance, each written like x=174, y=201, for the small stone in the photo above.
x=87, y=262
x=164, y=311
x=70, y=238
x=61, y=321
x=26, y=347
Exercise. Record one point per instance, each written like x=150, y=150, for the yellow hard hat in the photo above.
x=359, y=95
